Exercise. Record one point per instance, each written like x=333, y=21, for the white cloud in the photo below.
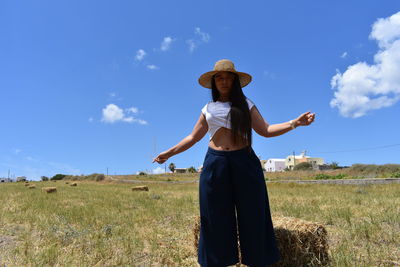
x=166, y=43
x=140, y=55
x=30, y=158
x=200, y=38
x=143, y=122
x=158, y=170
x=112, y=113
x=112, y=94
x=205, y=37
x=363, y=87
x=152, y=67
x=344, y=55
x=192, y=45
x=17, y=151
x=386, y=30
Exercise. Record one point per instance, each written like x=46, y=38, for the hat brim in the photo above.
x=205, y=79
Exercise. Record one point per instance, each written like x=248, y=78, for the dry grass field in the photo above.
x=108, y=224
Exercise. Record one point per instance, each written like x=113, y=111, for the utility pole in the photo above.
x=8, y=173
x=154, y=146
x=107, y=172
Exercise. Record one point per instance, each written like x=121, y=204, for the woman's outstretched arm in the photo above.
x=198, y=132
x=264, y=129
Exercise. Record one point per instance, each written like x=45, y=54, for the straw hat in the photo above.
x=224, y=65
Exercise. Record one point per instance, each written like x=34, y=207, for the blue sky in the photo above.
x=91, y=85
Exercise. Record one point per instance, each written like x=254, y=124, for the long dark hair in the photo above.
x=239, y=113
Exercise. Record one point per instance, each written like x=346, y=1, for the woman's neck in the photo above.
x=223, y=99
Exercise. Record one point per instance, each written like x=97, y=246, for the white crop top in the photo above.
x=216, y=115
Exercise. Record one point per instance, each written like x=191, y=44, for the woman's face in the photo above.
x=224, y=82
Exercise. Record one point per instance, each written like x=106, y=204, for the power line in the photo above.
x=359, y=149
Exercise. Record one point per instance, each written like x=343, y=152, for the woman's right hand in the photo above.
x=162, y=157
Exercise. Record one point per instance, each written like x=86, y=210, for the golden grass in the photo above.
x=104, y=223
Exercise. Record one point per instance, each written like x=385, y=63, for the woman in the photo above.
x=232, y=189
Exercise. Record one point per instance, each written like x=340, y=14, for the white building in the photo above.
x=291, y=160
x=279, y=165
x=273, y=165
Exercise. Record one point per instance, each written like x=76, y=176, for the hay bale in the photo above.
x=140, y=188
x=49, y=189
x=27, y=184
x=66, y=182
x=300, y=242
x=31, y=186
x=73, y=184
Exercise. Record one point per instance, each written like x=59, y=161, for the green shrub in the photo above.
x=322, y=176
x=58, y=177
x=339, y=176
x=192, y=169
x=376, y=169
x=395, y=175
x=92, y=177
x=334, y=165
x=100, y=177
x=303, y=166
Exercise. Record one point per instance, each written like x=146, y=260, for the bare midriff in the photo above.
x=221, y=140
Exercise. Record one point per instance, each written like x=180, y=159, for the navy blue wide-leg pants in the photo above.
x=232, y=189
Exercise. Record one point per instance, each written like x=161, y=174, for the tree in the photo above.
x=58, y=177
x=44, y=178
x=171, y=167
x=192, y=169
x=334, y=165
x=303, y=166
x=21, y=179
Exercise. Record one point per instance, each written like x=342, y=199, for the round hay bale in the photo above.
x=49, y=189
x=31, y=186
x=27, y=184
x=73, y=184
x=140, y=188
x=66, y=182
x=300, y=242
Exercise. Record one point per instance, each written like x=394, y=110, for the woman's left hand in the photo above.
x=305, y=119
